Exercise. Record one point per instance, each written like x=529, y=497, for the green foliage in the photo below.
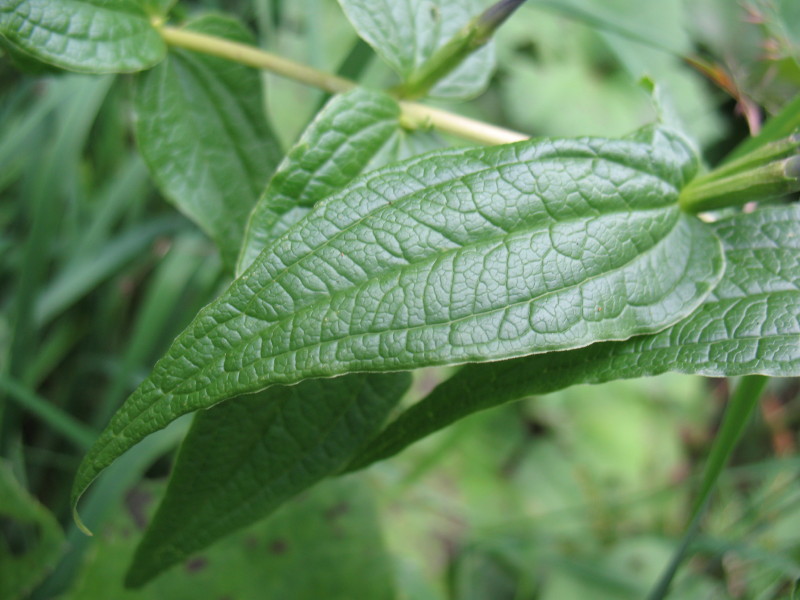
x=407, y=34
x=34, y=529
x=741, y=328
x=203, y=134
x=370, y=250
x=325, y=544
x=405, y=294
x=93, y=36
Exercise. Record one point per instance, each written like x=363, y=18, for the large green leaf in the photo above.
x=202, y=131
x=326, y=544
x=406, y=34
x=340, y=143
x=750, y=324
x=40, y=538
x=452, y=257
x=243, y=459
x=92, y=36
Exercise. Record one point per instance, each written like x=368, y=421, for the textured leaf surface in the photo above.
x=750, y=324
x=203, y=134
x=20, y=572
x=325, y=545
x=340, y=143
x=453, y=257
x=405, y=34
x=243, y=459
x=92, y=36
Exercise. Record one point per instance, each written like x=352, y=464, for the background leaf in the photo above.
x=405, y=34
x=327, y=544
x=748, y=325
x=339, y=144
x=243, y=459
x=203, y=134
x=36, y=534
x=453, y=257
x=92, y=36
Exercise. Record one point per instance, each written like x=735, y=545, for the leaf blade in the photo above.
x=244, y=459
x=204, y=137
x=424, y=293
x=406, y=34
x=90, y=36
x=762, y=250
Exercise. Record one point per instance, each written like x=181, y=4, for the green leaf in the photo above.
x=406, y=34
x=22, y=569
x=325, y=544
x=91, y=36
x=748, y=325
x=204, y=137
x=338, y=145
x=453, y=257
x=244, y=459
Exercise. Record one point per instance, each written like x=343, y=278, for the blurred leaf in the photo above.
x=458, y=256
x=785, y=123
x=406, y=34
x=83, y=275
x=25, y=62
x=65, y=424
x=158, y=8
x=326, y=544
x=40, y=538
x=203, y=134
x=748, y=325
x=339, y=144
x=92, y=36
x=243, y=460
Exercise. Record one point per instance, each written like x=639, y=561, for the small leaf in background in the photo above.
x=244, y=459
x=91, y=36
x=748, y=325
x=30, y=538
x=203, y=134
x=406, y=34
x=326, y=544
x=339, y=144
x=452, y=257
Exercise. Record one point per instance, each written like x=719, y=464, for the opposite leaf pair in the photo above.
x=452, y=257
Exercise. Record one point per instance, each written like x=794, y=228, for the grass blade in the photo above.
x=72, y=429
x=741, y=405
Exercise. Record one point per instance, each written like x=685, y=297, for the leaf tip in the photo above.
x=79, y=522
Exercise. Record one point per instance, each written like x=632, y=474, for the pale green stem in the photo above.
x=771, y=180
x=784, y=148
x=413, y=115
